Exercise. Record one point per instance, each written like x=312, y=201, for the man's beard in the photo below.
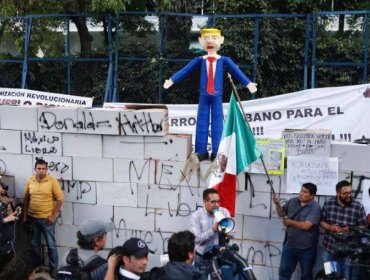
x=347, y=201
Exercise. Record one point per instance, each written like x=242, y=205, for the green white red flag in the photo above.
x=237, y=150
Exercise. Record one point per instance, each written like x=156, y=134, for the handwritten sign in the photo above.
x=321, y=171
x=273, y=152
x=307, y=142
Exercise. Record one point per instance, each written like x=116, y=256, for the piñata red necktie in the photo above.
x=211, y=82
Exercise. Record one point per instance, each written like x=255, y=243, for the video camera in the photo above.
x=355, y=243
x=223, y=261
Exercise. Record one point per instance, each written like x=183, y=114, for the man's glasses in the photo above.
x=213, y=201
x=346, y=193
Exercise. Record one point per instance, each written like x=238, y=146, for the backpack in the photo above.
x=76, y=269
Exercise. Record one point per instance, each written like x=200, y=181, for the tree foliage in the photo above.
x=278, y=64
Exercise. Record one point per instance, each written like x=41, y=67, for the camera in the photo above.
x=223, y=261
x=355, y=243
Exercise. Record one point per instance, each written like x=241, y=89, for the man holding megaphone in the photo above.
x=207, y=222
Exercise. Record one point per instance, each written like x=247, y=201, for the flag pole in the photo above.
x=245, y=118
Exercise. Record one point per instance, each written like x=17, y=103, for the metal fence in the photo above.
x=128, y=56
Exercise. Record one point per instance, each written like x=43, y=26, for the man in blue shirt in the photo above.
x=302, y=218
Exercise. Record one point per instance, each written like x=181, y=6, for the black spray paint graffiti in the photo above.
x=40, y=143
x=139, y=124
x=132, y=169
x=57, y=166
x=147, y=236
x=80, y=187
x=49, y=120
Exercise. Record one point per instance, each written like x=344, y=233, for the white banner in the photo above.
x=24, y=97
x=343, y=110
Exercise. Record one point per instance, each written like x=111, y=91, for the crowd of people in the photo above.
x=43, y=198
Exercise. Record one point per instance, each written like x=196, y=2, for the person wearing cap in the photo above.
x=212, y=67
x=134, y=259
x=91, y=238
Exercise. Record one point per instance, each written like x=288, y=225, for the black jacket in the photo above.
x=174, y=271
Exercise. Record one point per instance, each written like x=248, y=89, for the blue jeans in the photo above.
x=345, y=269
x=41, y=226
x=291, y=256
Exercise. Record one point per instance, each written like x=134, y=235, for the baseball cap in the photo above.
x=135, y=246
x=95, y=227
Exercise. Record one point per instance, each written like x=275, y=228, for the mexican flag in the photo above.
x=237, y=150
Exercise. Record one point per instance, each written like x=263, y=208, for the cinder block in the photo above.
x=83, y=212
x=148, y=122
x=134, y=219
x=79, y=191
x=80, y=145
x=156, y=241
x=18, y=118
x=134, y=171
x=19, y=166
x=117, y=194
x=172, y=222
x=92, y=169
x=170, y=147
x=10, y=141
x=59, y=167
x=273, y=253
x=260, y=183
x=259, y=228
x=266, y=272
x=191, y=198
x=58, y=119
x=41, y=143
x=99, y=120
x=348, y=155
x=66, y=235
x=254, y=251
x=178, y=173
x=153, y=196
x=130, y=147
x=238, y=226
x=66, y=213
x=259, y=205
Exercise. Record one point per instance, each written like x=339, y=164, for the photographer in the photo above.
x=338, y=215
x=301, y=217
x=7, y=217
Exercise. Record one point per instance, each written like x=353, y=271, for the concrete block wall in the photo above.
x=116, y=165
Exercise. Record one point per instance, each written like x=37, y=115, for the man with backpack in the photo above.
x=84, y=262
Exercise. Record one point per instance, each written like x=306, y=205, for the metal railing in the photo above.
x=128, y=56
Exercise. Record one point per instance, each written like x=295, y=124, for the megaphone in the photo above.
x=224, y=224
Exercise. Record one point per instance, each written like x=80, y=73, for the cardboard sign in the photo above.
x=320, y=171
x=307, y=142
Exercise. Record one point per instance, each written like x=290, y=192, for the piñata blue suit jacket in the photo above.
x=210, y=103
